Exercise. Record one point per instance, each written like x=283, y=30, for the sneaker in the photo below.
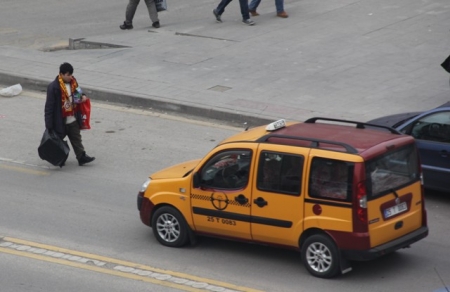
x=217, y=15
x=248, y=21
x=156, y=24
x=253, y=13
x=85, y=159
x=126, y=25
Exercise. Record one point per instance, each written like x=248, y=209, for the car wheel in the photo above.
x=320, y=256
x=169, y=227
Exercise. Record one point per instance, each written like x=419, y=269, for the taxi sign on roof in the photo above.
x=276, y=125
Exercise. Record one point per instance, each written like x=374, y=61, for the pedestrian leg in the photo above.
x=221, y=7
x=244, y=9
x=73, y=132
x=253, y=6
x=131, y=10
x=152, y=12
x=279, y=5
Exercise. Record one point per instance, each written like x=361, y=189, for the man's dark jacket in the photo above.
x=53, y=110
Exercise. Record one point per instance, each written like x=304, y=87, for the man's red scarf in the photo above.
x=68, y=107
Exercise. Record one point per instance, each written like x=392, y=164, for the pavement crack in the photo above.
x=442, y=280
x=202, y=36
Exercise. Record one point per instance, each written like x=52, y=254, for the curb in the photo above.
x=201, y=113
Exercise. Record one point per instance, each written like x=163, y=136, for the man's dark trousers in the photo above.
x=244, y=7
x=73, y=132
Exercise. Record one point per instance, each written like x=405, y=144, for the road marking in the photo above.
x=115, y=267
x=23, y=169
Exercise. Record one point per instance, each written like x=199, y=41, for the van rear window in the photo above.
x=392, y=171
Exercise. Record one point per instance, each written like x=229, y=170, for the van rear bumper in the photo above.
x=402, y=242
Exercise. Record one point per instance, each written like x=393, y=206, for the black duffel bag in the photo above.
x=53, y=149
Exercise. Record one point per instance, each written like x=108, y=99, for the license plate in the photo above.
x=389, y=212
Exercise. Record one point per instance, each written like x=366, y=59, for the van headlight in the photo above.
x=145, y=185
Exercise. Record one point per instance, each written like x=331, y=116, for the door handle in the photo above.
x=260, y=202
x=241, y=199
x=444, y=153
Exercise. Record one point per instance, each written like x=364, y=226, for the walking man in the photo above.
x=131, y=10
x=244, y=11
x=61, y=113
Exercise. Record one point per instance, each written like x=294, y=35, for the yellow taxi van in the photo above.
x=335, y=190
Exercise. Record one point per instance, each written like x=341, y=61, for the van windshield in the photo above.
x=392, y=171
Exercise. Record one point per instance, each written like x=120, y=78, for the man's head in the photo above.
x=66, y=71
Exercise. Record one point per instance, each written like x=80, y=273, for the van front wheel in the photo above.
x=320, y=256
x=169, y=227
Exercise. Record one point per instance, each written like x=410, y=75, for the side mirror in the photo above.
x=196, y=180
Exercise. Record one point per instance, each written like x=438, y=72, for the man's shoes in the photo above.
x=248, y=21
x=85, y=159
x=217, y=15
x=253, y=13
x=156, y=24
x=126, y=25
x=283, y=14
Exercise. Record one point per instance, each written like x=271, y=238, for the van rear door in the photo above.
x=394, y=194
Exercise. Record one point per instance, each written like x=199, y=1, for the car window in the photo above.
x=227, y=170
x=434, y=127
x=331, y=179
x=280, y=173
x=392, y=171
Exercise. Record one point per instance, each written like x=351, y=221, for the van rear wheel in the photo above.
x=320, y=256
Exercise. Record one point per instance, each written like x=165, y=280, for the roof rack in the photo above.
x=359, y=125
x=315, y=143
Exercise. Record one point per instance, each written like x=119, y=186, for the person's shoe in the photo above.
x=156, y=24
x=253, y=13
x=217, y=15
x=248, y=21
x=283, y=14
x=126, y=25
x=85, y=159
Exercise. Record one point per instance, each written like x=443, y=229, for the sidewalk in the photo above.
x=343, y=59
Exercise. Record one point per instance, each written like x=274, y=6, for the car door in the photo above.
x=221, y=202
x=277, y=202
x=432, y=133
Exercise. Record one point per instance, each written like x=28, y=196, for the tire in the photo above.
x=320, y=256
x=169, y=227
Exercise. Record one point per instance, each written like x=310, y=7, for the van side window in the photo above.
x=280, y=173
x=331, y=179
x=227, y=170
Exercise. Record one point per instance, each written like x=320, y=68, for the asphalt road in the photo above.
x=90, y=213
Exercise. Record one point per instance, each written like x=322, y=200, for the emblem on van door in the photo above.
x=219, y=201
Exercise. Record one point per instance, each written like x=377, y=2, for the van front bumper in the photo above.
x=402, y=242
x=145, y=207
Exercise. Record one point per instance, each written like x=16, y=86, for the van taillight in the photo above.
x=362, y=202
x=360, y=211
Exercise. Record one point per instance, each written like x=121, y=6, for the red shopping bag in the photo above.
x=85, y=111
